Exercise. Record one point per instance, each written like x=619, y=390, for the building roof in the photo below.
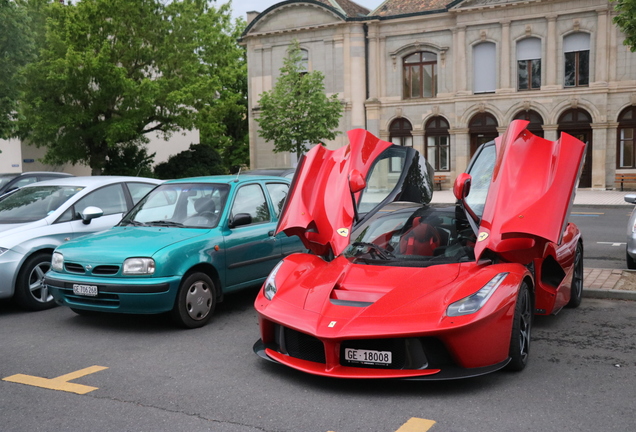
x=349, y=8
x=404, y=7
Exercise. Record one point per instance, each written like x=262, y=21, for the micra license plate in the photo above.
x=85, y=290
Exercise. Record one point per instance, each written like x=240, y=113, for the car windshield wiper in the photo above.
x=374, y=250
x=132, y=222
x=165, y=223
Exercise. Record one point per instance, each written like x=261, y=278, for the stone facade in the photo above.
x=363, y=59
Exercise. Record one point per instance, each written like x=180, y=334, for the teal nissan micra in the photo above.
x=183, y=246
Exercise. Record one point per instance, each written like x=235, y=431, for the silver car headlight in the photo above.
x=269, y=288
x=139, y=266
x=474, y=302
x=57, y=261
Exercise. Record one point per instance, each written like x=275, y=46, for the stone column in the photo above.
x=599, y=154
x=504, y=69
x=550, y=132
x=418, y=140
x=460, y=67
x=460, y=138
x=601, y=65
x=357, y=74
x=551, y=57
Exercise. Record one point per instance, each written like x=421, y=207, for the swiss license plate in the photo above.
x=368, y=356
x=85, y=290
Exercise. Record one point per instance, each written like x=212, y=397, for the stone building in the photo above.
x=445, y=76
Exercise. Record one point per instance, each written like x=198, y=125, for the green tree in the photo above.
x=129, y=159
x=198, y=160
x=296, y=112
x=626, y=21
x=16, y=50
x=111, y=71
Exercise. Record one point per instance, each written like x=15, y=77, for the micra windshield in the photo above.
x=408, y=236
x=180, y=205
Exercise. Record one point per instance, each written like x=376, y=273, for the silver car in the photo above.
x=37, y=218
x=631, y=234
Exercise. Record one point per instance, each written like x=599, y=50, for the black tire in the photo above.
x=576, y=293
x=631, y=262
x=195, y=301
x=521, y=329
x=30, y=291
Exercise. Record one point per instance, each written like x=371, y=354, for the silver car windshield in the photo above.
x=34, y=203
x=188, y=205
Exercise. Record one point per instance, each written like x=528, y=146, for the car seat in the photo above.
x=421, y=239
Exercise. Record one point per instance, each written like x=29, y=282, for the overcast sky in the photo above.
x=241, y=7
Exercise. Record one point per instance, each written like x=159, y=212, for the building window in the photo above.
x=438, y=144
x=303, y=63
x=529, y=64
x=420, y=75
x=535, y=119
x=626, y=152
x=484, y=67
x=482, y=128
x=400, y=134
x=576, y=48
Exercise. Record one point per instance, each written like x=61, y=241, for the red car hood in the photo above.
x=320, y=206
x=532, y=189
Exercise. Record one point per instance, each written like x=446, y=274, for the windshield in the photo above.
x=34, y=203
x=191, y=205
x=6, y=178
x=413, y=237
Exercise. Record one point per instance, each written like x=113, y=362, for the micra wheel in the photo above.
x=30, y=291
x=521, y=327
x=576, y=293
x=195, y=301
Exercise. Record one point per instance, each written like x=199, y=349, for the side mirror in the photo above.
x=240, y=219
x=630, y=198
x=461, y=188
x=90, y=213
x=356, y=181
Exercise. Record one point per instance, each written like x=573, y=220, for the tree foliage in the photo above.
x=626, y=21
x=129, y=159
x=16, y=50
x=198, y=160
x=111, y=71
x=296, y=112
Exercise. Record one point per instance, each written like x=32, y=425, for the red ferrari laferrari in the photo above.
x=394, y=287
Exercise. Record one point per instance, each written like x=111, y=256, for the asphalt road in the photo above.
x=581, y=376
x=604, y=231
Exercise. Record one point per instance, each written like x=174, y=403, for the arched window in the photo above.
x=484, y=67
x=535, y=119
x=626, y=146
x=577, y=122
x=529, y=64
x=438, y=143
x=576, y=48
x=482, y=128
x=400, y=132
x=420, y=75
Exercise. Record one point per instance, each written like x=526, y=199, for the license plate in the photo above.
x=85, y=290
x=368, y=356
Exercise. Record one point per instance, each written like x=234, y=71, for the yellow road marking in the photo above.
x=415, y=425
x=60, y=383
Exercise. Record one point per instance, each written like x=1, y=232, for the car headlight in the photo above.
x=139, y=266
x=269, y=288
x=57, y=261
x=474, y=302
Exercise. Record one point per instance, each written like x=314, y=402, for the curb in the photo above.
x=609, y=294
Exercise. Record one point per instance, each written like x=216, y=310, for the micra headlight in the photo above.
x=269, y=289
x=474, y=302
x=139, y=266
x=57, y=261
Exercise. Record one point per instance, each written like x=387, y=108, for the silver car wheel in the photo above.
x=198, y=300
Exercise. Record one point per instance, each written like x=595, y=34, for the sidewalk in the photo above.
x=597, y=283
